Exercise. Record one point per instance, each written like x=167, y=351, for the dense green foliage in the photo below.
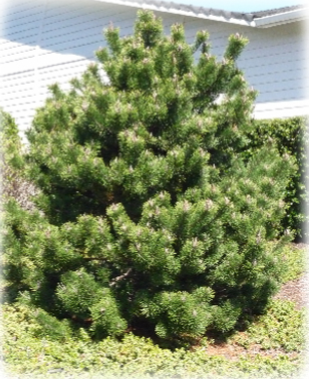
x=30, y=353
x=289, y=136
x=148, y=213
x=133, y=357
x=281, y=328
x=295, y=262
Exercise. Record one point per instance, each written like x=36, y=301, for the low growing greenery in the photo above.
x=294, y=262
x=282, y=327
x=139, y=357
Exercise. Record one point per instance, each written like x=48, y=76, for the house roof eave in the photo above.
x=263, y=19
x=281, y=18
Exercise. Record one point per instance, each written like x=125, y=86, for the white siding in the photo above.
x=43, y=42
x=47, y=42
x=274, y=63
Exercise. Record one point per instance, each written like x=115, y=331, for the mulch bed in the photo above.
x=295, y=290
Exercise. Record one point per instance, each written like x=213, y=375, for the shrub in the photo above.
x=13, y=181
x=289, y=136
x=151, y=214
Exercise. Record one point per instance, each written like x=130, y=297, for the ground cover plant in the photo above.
x=147, y=211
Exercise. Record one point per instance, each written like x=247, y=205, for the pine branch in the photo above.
x=120, y=277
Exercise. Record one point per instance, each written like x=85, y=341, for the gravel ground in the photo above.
x=296, y=290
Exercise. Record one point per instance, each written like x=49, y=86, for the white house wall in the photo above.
x=43, y=42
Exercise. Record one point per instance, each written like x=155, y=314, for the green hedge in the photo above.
x=290, y=136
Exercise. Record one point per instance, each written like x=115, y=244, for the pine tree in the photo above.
x=149, y=210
